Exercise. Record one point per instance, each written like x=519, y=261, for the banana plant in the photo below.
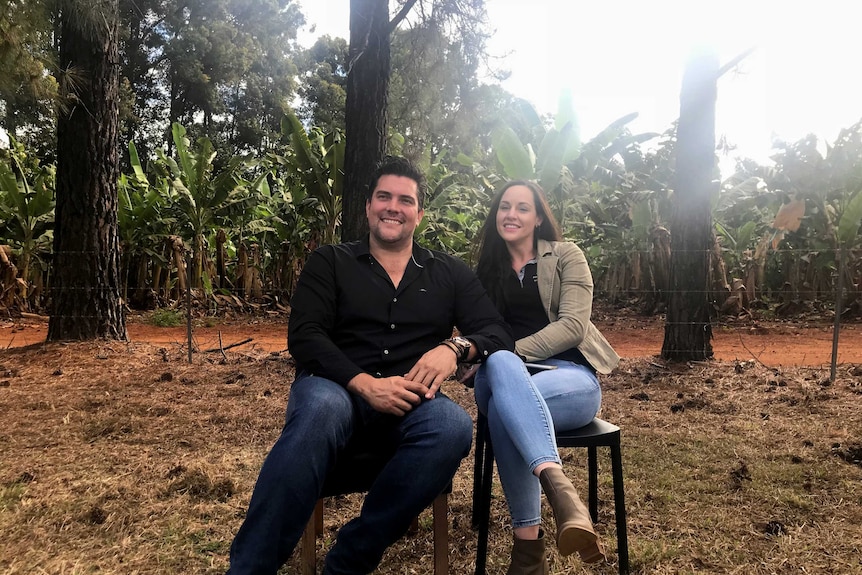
x=556, y=145
x=829, y=184
x=563, y=166
x=318, y=162
x=144, y=223
x=303, y=193
x=459, y=194
x=200, y=198
x=26, y=210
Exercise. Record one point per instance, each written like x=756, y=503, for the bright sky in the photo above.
x=622, y=56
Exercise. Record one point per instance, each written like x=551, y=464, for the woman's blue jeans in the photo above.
x=523, y=411
x=321, y=417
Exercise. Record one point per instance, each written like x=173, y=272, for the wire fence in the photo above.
x=633, y=319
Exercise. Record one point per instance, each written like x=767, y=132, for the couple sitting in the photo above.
x=370, y=330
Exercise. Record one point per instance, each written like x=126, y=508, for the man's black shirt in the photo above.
x=347, y=317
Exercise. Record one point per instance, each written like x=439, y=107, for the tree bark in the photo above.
x=87, y=285
x=365, y=109
x=688, y=333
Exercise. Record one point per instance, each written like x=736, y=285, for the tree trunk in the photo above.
x=366, y=108
x=242, y=278
x=178, y=250
x=255, y=288
x=221, y=258
x=688, y=333
x=86, y=292
x=8, y=279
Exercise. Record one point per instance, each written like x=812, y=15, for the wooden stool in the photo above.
x=355, y=472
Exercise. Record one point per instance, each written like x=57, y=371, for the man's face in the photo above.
x=393, y=210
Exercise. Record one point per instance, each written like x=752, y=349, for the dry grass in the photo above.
x=123, y=458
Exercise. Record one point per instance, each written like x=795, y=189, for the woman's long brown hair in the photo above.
x=494, y=260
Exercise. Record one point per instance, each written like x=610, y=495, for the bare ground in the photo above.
x=124, y=458
x=803, y=341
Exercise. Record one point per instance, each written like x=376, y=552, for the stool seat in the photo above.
x=597, y=433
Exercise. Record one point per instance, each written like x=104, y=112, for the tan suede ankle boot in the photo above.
x=528, y=557
x=574, y=528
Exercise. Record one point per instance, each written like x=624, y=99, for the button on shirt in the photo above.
x=347, y=317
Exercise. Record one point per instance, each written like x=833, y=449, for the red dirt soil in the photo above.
x=799, y=343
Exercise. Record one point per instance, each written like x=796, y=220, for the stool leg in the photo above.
x=478, y=466
x=620, y=507
x=308, y=556
x=318, y=518
x=485, y=507
x=441, y=534
x=593, y=466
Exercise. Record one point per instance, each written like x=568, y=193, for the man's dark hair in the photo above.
x=398, y=166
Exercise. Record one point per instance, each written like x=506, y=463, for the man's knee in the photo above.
x=321, y=404
x=452, y=425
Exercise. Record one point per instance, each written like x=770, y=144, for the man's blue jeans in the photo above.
x=321, y=417
x=523, y=412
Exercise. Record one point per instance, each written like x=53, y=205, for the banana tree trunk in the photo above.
x=8, y=278
x=197, y=261
x=178, y=250
x=660, y=263
x=221, y=269
x=637, y=275
x=255, y=288
x=718, y=271
x=242, y=279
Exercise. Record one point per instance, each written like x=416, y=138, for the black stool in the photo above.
x=597, y=433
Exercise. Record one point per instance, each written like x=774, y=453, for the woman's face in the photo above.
x=517, y=219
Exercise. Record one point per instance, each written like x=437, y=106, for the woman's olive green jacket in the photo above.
x=566, y=290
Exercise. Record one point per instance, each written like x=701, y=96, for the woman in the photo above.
x=543, y=288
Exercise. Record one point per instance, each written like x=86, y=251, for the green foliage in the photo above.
x=563, y=167
x=164, y=317
x=200, y=198
x=27, y=93
x=323, y=84
x=317, y=159
x=225, y=62
x=144, y=222
x=435, y=95
x=456, y=206
x=26, y=209
x=848, y=225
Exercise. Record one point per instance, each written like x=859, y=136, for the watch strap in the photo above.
x=456, y=349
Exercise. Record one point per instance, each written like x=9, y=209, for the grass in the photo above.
x=165, y=317
x=106, y=466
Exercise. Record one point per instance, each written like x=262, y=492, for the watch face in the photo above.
x=463, y=341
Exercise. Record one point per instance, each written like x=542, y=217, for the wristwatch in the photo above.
x=460, y=345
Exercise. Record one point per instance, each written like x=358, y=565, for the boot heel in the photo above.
x=574, y=528
x=592, y=553
x=571, y=539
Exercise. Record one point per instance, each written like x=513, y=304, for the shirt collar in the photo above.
x=420, y=254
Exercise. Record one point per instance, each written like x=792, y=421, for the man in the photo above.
x=370, y=329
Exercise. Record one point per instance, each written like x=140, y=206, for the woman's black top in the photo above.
x=523, y=310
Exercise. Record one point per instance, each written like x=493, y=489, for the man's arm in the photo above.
x=477, y=319
x=312, y=319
